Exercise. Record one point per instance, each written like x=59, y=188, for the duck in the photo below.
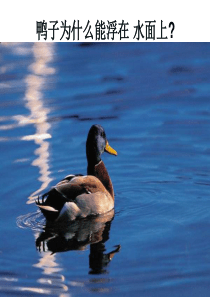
x=80, y=196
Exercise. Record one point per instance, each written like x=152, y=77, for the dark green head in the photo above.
x=96, y=144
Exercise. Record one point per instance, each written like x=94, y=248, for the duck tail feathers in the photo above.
x=47, y=207
x=50, y=204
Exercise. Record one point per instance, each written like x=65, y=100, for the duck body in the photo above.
x=78, y=196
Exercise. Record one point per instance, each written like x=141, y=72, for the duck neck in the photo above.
x=99, y=170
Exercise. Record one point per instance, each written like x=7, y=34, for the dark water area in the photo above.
x=153, y=101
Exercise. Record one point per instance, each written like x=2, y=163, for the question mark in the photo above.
x=173, y=26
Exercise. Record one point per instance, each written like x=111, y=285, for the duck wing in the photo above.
x=77, y=191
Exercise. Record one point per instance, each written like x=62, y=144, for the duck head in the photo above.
x=96, y=144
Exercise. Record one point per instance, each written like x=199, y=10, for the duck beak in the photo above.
x=109, y=149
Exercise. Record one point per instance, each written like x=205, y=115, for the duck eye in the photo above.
x=103, y=134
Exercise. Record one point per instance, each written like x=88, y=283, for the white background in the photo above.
x=191, y=18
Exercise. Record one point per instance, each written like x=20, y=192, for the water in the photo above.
x=153, y=101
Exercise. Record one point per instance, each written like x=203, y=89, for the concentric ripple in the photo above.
x=33, y=221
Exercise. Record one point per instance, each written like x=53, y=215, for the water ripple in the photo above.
x=33, y=221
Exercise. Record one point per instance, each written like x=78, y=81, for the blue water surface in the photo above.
x=153, y=101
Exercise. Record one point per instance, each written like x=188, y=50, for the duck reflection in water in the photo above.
x=65, y=235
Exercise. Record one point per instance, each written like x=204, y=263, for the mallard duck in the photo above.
x=78, y=196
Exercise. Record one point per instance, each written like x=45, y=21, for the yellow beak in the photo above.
x=109, y=149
